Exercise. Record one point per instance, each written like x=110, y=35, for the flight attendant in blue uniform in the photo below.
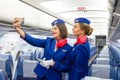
x=56, y=50
x=80, y=53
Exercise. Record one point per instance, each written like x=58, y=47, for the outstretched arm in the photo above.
x=29, y=39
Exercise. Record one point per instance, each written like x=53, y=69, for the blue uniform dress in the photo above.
x=60, y=56
x=79, y=58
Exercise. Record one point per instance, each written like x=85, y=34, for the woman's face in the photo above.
x=76, y=30
x=55, y=32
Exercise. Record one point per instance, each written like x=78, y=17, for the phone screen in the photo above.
x=21, y=21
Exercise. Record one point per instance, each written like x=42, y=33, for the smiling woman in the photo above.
x=63, y=31
x=79, y=56
x=56, y=50
x=103, y=16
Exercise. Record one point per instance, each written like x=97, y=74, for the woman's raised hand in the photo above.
x=16, y=23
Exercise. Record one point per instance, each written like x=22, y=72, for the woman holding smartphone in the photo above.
x=56, y=50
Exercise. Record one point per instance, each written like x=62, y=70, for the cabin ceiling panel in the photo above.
x=99, y=12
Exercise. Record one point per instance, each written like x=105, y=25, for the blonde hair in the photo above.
x=88, y=30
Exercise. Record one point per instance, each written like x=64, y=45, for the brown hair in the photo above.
x=63, y=30
x=88, y=30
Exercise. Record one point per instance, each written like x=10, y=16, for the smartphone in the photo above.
x=21, y=21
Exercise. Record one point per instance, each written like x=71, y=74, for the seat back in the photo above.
x=103, y=71
x=3, y=75
x=28, y=69
x=105, y=61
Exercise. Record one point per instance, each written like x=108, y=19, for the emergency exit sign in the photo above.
x=81, y=8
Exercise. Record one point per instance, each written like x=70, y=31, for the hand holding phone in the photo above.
x=21, y=21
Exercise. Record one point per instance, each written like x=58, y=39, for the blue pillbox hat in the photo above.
x=58, y=21
x=82, y=20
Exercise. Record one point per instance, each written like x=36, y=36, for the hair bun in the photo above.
x=90, y=31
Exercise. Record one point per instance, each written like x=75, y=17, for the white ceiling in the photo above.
x=40, y=13
x=99, y=12
x=71, y=9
